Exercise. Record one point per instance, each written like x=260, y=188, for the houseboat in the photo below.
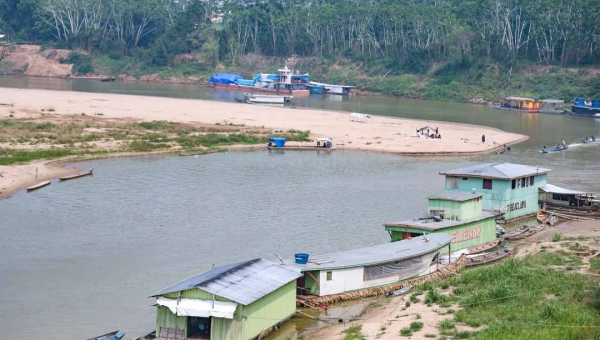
x=334, y=89
x=555, y=198
x=317, y=89
x=239, y=301
x=369, y=267
x=555, y=106
x=286, y=81
x=584, y=108
x=456, y=214
x=522, y=104
x=322, y=144
x=506, y=187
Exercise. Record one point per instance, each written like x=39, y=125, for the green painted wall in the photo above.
x=464, y=236
x=462, y=210
x=518, y=202
x=166, y=319
x=310, y=283
x=248, y=322
x=269, y=310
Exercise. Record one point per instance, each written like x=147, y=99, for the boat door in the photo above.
x=301, y=286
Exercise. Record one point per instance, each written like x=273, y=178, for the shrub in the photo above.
x=405, y=332
x=416, y=326
x=354, y=333
x=557, y=237
x=446, y=324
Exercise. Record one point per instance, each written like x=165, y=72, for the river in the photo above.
x=79, y=258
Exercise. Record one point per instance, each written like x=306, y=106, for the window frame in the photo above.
x=491, y=184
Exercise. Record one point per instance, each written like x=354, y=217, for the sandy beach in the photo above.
x=378, y=133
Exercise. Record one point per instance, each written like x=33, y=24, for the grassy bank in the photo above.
x=24, y=140
x=521, y=299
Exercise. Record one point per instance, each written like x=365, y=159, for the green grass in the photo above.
x=10, y=156
x=557, y=237
x=526, y=299
x=354, y=333
x=446, y=324
x=595, y=264
x=405, y=332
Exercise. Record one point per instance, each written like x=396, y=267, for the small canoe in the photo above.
x=37, y=186
x=483, y=247
x=557, y=149
x=516, y=232
x=588, y=141
x=527, y=233
x=477, y=260
x=541, y=217
x=399, y=291
x=116, y=335
x=81, y=174
x=552, y=220
x=300, y=148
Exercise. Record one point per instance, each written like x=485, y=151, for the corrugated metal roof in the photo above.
x=558, y=190
x=553, y=101
x=432, y=225
x=391, y=251
x=455, y=196
x=519, y=99
x=497, y=171
x=243, y=282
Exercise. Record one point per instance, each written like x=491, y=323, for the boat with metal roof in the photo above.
x=370, y=267
x=522, y=104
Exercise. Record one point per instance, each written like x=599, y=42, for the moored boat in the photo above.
x=116, y=335
x=38, y=185
x=541, y=217
x=399, y=292
x=516, y=232
x=527, y=233
x=81, y=174
x=583, y=108
x=476, y=260
x=512, y=103
x=554, y=106
x=266, y=99
x=587, y=140
x=317, y=89
x=323, y=144
x=334, y=89
x=483, y=247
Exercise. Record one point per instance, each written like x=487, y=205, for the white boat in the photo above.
x=334, y=89
x=266, y=99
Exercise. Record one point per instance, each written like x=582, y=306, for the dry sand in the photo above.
x=379, y=134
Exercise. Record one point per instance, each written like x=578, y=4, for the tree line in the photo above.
x=409, y=34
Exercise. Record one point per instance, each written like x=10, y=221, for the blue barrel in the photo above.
x=301, y=258
x=580, y=101
x=596, y=103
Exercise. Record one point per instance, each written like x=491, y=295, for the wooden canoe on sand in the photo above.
x=516, y=232
x=480, y=259
x=483, y=247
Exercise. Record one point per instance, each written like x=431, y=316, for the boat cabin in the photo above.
x=238, y=301
x=459, y=215
x=552, y=195
x=369, y=267
x=508, y=188
x=552, y=106
x=277, y=142
x=520, y=104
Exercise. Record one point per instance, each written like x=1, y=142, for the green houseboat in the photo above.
x=509, y=188
x=458, y=214
x=239, y=301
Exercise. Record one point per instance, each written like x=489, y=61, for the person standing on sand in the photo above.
x=483, y=138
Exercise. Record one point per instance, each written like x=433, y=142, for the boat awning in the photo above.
x=553, y=101
x=199, y=308
x=553, y=189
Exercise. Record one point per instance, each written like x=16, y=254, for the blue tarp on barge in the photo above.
x=224, y=78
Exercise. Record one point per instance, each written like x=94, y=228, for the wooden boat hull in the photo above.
x=266, y=99
x=38, y=186
x=488, y=258
x=483, y=247
x=300, y=148
x=526, y=234
x=116, y=335
x=81, y=174
x=541, y=217
x=516, y=232
x=580, y=211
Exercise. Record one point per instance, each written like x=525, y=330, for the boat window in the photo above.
x=451, y=183
x=329, y=276
x=514, y=184
x=531, y=180
x=487, y=184
x=465, y=178
x=522, y=182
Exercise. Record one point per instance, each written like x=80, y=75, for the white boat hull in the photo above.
x=335, y=89
x=265, y=99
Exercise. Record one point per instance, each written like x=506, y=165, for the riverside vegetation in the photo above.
x=23, y=140
x=442, y=50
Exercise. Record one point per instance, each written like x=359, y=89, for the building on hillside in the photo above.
x=239, y=301
x=506, y=187
x=457, y=214
x=370, y=267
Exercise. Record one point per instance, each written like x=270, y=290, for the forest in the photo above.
x=394, y=38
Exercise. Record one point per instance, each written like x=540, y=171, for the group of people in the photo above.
x=561, y=145
x=591, y=139
x=434, y=134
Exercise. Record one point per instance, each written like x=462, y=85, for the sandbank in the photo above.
x=377, y=134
